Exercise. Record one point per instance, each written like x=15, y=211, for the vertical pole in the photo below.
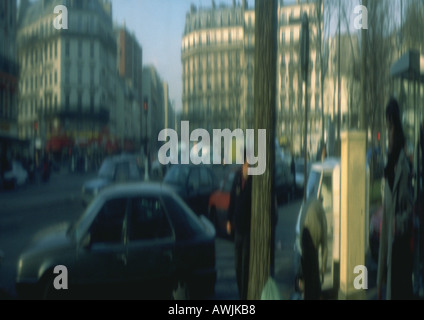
x=263, y=204
x=339, y=89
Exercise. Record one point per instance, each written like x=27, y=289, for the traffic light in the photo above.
x=35, y=125
x=379, y=136
x=145, y=105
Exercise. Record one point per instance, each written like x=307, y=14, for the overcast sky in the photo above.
x=159, y=27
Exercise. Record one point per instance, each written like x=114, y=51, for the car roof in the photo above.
x=136, y=188
x=328, y=165
x=121, y=158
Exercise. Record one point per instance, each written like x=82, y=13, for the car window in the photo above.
x=186, y=223
x=177, y=175
x=122, y=172
x=205, y=178
x=326, y=193
x=134, y=171
x=108, y=225
x=148, y=220
x=194, y=179
x=313, y=184
x=300, y=168
x=229, y=182
x=107, y=169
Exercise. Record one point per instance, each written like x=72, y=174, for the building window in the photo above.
x=92, y=102
x=55, y=49
x=51, y=51
x=92, y=49
x=79, y=101
x=55, y=77
x=291, y=37
x=80, y=49
x=67, y=102
x=67, y=48
x=55, y=101
x=92, y=77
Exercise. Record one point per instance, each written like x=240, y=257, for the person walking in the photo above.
x=239, y=214
x=313, y=238
x=395, y=252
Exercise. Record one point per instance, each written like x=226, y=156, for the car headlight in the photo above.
x=20, y=266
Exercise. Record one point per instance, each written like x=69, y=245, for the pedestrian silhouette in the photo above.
x=395, y=252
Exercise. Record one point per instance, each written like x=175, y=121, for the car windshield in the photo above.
x=229, y=182
x=313, y=184
x=107, y=170
x=300, y=168
x=177, y=175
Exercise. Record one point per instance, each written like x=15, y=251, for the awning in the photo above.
x=409, y=67
x=56, y=144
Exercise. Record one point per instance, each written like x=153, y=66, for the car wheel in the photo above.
x=181, y=291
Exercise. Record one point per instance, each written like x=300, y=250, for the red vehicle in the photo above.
x=219, y=202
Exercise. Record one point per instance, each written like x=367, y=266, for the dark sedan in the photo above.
x=194, y=184
x=133, y=241
x=115, y=169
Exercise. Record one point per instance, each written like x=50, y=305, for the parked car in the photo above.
x=121, y=168
x=323, y=182
x=137, y=240
x=284, y=179
x=15, y=177
x=300, y=175
x=194, y=184
x=219, y=202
